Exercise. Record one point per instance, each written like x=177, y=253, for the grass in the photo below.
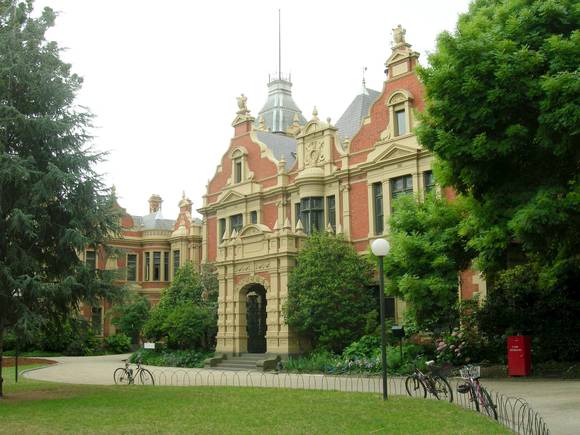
x=38, y=407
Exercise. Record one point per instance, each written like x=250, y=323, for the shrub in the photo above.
x=168, y=358
x=130, y=316
x=119, y=343
x=186, y=316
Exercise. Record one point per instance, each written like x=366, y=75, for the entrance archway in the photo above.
x=256, y=318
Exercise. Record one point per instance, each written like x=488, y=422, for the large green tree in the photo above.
x=502, y=115
x=428, y=250
x=52, y=203
x=329, y=299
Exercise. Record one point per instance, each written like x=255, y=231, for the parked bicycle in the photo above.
x=477, y=393
x=127, y=376
x=418, y=383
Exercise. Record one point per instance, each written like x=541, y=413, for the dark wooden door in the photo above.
x=256, y=321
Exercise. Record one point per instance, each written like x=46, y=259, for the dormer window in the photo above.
x=399, y=105
x=400, y=122
x=240, y=171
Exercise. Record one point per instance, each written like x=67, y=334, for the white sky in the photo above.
x=162, y=77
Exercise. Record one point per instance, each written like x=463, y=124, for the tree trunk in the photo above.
x=1, y=353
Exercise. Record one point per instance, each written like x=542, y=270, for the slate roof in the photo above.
x=153, y=221
x=280, y=145
x=351, y=120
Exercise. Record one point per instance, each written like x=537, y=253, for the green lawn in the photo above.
x=38, y=407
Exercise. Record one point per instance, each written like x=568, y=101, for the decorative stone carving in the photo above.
x=253, y=279
x=314, y=153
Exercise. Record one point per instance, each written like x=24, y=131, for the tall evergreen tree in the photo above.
x=52, y=202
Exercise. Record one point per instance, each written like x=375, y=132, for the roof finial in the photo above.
x=279, y=48
x=183, y=194
x=315, y=114
x=364, y=83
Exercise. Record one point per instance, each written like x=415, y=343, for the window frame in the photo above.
x=131, y=270
x=93, y=263
x=253, y=217
x=234, y=225
x=378, y=208
x=312, y=213
x=156, y=265
x=331, y=211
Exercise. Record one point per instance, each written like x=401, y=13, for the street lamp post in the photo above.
x=380, y=248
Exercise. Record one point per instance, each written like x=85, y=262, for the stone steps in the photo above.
x=244, y=362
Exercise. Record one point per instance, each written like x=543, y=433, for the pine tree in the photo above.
x=52, y=202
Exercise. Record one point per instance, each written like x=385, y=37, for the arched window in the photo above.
x=399, y=105
x=239, y=165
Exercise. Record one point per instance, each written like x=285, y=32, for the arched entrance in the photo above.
x=256, y=318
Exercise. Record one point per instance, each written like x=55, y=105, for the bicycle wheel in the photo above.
x=415, y=387
x=442, y=390
x=121, y=376
x=487, y=407
x=146, y=377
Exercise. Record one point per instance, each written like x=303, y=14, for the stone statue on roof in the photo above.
x=399, y=35
x=242, y=99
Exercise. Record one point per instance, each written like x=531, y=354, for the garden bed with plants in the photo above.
x=171, y=358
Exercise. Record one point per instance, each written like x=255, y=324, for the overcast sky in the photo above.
x=162, y=77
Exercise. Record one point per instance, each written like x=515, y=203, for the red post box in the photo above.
x=519, y=355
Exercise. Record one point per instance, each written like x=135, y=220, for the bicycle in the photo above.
x=126, y=375
x=418, y=383
x=477, y=393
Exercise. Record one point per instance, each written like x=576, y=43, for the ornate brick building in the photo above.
x=283, y=177
x=149, y=252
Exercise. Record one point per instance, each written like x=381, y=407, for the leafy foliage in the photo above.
x=171, y=358
x=118, y=343
x=516, y=303
x=52, y=203
x=329, y=300
x=130, y=316
x=502, y=115
x=428, y=250
x=187, y=312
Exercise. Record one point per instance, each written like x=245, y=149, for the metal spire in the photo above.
x=279, y=48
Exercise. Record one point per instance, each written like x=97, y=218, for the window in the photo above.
x=389, y=307
x=166, y=266
x=331, y=211
x=297, y=213
x=312, y=214
x=131, y=267
x=400, y=122
x=236, y=222
x=97, y=320
x=428, y=180
x=378, y=207
x=222, y=229
x=156, y=266
x=238, y=171
x=401, y=186
x=254, y=217
x=176, y=260
x=147, y=266
x=91, y=259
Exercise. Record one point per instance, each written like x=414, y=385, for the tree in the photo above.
x=502, y=115
x=187, y=312
x=131, y=315
x=52, y=202
x=427, y=253
x=329, y=299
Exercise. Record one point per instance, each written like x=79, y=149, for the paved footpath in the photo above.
x=557, y=401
